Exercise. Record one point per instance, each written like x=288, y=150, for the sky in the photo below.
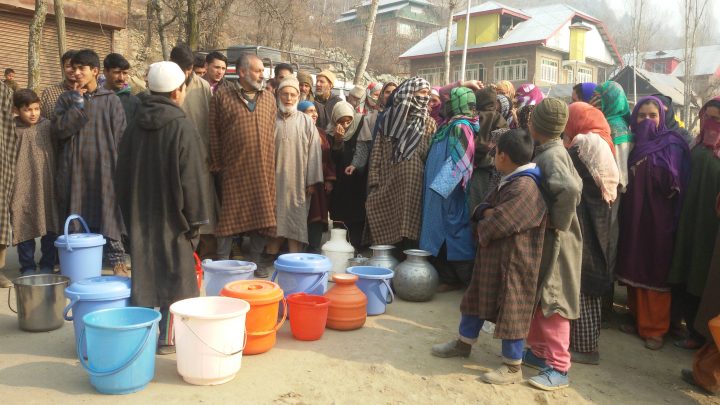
x=671, y=10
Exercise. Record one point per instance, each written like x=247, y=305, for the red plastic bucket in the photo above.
x=309, y=315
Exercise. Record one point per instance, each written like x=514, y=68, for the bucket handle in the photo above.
x=9, y=306
x=72, y=303
x=319, y=281
x=96, y=373
x=67, y=228
x=392, y=295
x=347, y=235
x=184, y=319
x=277, y=326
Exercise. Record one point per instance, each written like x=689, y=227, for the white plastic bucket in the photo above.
x=209, y=338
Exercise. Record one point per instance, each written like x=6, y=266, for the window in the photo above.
x=405, y=30
x=570, y=74
x=659, y=67
x=513, y=69
x=472, y=72
x=549, y=70
x=585, y=75
x=433, y=75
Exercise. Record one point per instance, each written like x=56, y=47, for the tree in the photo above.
x=369, y=28
x=161, y=24
x=192, y=25
x=694, y=13
x=452, y=5
x=60, y=21
x=34, y=44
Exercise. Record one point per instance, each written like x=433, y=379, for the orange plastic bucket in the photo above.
x=714, y=325
x=261, y=321
x=309, y=315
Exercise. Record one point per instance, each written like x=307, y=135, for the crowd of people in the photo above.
x=533, y=206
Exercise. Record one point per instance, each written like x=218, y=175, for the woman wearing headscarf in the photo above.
x=528, y=94
x=659, y=172
x=505, y=108
x=670, y=119
x=610, y=98
x=435, y=106
x=489, y=120
x=350, y=156
x=698, y=222
x=446, y=232
x=397, y=164
x=587, y=138
x=319, y=200
x=706, y=364
x=583, y=92
x=505, y=88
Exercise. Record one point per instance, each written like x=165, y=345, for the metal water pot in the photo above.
x=40, y=301
x=415, y=278
x=382, y=257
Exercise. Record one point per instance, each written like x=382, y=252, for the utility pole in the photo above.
x=465, y=46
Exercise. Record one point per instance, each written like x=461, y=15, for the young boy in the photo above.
x=33, y=211
x=88, y=124
x=559, y=286
x=510, y=235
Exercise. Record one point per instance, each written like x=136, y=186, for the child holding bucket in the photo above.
x=507, y=263
x=33, y=212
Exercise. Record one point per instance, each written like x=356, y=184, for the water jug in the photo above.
x=382, y=257
x=338, y=250
x=415, y=278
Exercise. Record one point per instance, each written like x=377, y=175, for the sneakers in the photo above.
x=592, y=358
x=550, y=380
x=5, y=282
x=533, y=361
x=502, y=376
x=453, y=348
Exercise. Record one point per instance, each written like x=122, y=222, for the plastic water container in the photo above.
x=218, y=273
x=302, y=272
x=375, y=284
x=94, y=294
x=121, y=344
x=209, y=338
x=80, y=253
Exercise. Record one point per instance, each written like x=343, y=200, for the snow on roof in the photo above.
x=668, y=85
x=385, y=6
x=544, y=22
x=707, y=59
x=490, y=6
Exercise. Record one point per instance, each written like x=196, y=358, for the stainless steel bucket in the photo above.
x=40, y=301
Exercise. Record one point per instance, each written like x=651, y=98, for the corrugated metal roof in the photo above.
x=668, y=85
x=489, y=6
x=385, y=6
x=544, y=22
x=707, y=59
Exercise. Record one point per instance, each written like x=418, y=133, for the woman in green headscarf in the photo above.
x=446, y=231
x=610, y=98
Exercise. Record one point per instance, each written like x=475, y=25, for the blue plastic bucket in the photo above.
x=302, y=272
x=121, y=344
x=94, y=294
x=218, y=273
x=375, y=283
x=80, y=253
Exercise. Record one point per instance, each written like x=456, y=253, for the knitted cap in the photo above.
x=289, y=82
x=328, y=75
x=358, y=92
x=304, y=77
x=550, y=117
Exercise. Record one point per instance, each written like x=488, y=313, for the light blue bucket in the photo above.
x=94, y=294
x=302, y=272
x=121, y=344
x=218, y=273
x=80, y=253
x=375, y=283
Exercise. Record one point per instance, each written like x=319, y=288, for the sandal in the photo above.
x=654, y=343
x=688, y=344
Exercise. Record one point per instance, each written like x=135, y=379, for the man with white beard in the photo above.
x=298, y=168
x=242, y=153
